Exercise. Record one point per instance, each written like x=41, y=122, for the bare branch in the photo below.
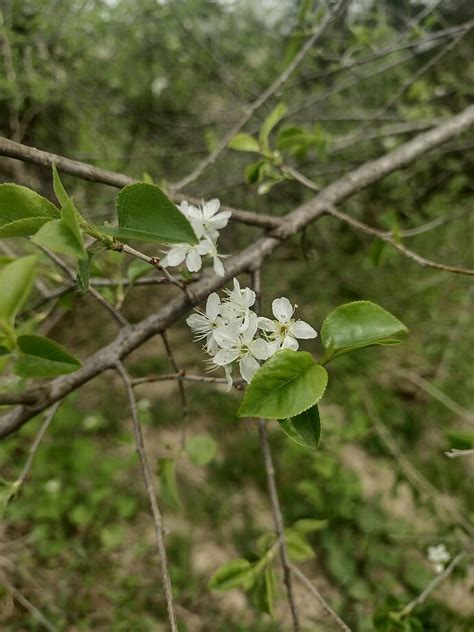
x=315, y=592
x=131, y=337
x=150, y=489
x=84, y=171
x=27, y=605
x=182, y=392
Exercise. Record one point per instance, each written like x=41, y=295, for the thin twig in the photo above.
x=182, y=376
x=432, y=585
x=330, y=17
x=150, y=489
x=272, y=488
x=454, y=453
x=315, y=592
x=48, y=418
x=182, y=391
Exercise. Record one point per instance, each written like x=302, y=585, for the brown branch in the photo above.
x=328, y=19
x=87, y=172
x=133, y=336
x=150, y=489
x=27, y=605
x=182, y=391
x=315, y=592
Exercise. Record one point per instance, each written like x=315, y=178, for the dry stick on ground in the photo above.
x=328, y=19
x=271, y=483
x=133, y=336
x=433, y=584
x=314, y=591
x=150, y=489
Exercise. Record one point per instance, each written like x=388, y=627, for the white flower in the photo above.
x=243, y=348
x=191, y=253
x=284, y=332
x=237, y=305
x=206, y=220
x=209, y=324
x=438, y=556
x=216, y=259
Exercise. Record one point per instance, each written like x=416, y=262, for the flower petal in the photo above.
x=259, y=348
x=210, y=208
x=248, y=367
x=302, y=330
x=290, y=343
x=282, y=309
x=225, y=356
x=213, y=306
x=174, y=257
x=218, y=267
x=193, y=260
x=265, y=324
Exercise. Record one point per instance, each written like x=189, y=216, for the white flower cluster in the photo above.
x=438, y=556
x=206, y=221
x=234, y=333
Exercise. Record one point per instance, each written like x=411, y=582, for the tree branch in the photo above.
x=133, y=336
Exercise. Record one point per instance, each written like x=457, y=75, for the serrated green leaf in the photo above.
x=43, y=357
x=201, y=449
x=304, y=429
x=168, y=485
x=284, y=386
x=146, y=214
x=19, y=203
x=58, y=237
x=16, y=280
x=22, y=227
x=360, y=324
x=269, y=123
x=245, y=142
x=59, y=190
x=238, y=572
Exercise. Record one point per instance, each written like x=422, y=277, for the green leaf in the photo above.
x=43, y=357
x=245, y=142
x=59, y=190
x=58, y=237
x=269, y=123
x=70, y=217
x=298, y=547
x=19, y=203
x=238, y=572
x=304, y=429
x=22, y=227
x=146, y=214
x=357, y=325
x=168, y=486
x=7, y=491
x=137, y=269
x=264, y=591
x=201, y=449
x=16, y=280
x=287, y=384
x=83, y=272
x=309, y=525
x=256, y=171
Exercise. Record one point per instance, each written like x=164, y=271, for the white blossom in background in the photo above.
x=438, y=556
x=284, y=332
x=235, y=335
x=206, y=221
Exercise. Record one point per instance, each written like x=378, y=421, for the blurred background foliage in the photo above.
x=148, y=88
